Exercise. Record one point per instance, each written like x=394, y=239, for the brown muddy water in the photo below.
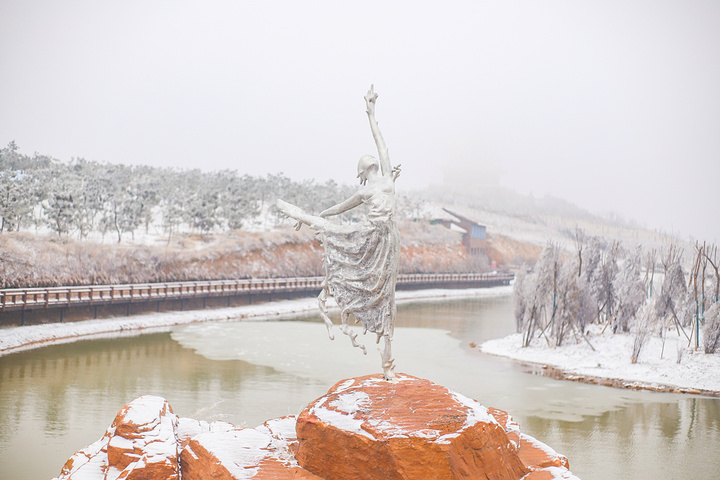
x=58, y=399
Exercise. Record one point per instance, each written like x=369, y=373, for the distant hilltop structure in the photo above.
x=474, y=234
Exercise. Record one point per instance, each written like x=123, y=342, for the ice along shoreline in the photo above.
x=15, y=339
x=609, y=363
x=696, y=374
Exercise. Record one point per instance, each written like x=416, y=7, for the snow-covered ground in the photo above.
x=14, y=339
x=657, y=364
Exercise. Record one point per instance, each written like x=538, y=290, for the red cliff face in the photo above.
x=363, y=428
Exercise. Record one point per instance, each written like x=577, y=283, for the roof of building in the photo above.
x=463, y=218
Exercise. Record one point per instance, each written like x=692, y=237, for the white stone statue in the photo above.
x=361, y=260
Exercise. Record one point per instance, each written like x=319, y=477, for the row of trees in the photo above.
x=82, y=196
x=601, y=282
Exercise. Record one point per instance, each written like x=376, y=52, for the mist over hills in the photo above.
x=538, y=220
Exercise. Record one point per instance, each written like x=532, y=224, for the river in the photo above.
x=58, y=399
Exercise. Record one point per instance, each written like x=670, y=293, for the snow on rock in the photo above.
x=187, y=428
x=144, y=444
x=265, y=452
x=363, y=427
x=656, y=369
x=140, y=444
x=89, y=463
x=148, y=441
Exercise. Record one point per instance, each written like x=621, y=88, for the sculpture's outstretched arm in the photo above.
x=370, y=100
x=343, y=206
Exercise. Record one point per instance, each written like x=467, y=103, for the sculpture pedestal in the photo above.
x=363, y=428
x=410, y=429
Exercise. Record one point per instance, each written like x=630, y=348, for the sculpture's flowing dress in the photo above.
x=361, y=264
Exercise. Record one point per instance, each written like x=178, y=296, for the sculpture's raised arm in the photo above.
x=384, y=157
x=342, y=207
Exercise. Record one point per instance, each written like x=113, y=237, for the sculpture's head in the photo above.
x=366, y=166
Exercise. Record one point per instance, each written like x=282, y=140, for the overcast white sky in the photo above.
x=613, y=105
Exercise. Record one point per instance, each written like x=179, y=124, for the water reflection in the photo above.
x=674, y=437
x=58, y=399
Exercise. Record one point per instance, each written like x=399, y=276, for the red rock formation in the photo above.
x=144, y=445
x=140, y=444
x=363, y=428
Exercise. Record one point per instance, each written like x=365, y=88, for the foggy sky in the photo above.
x=613, y=105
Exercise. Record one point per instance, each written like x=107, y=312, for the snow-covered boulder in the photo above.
x=363, y=427
x=412, y=429
x=140, y=444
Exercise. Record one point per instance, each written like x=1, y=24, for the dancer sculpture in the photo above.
x=361, y=260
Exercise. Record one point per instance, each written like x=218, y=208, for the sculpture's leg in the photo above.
x=388, y=362
x=322, y=303
x=289, y=210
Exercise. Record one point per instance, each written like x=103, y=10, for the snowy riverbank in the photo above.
x=14, y=339
x=657, y=367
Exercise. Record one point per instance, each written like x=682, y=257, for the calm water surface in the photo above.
x=58, y=399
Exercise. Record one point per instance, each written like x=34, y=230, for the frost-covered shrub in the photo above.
x=673, y=289
x=711, y=335
x=536, y=294
x=646, y=320
x=553, y=299
x=520, y=297
x=574, y=303
x=602, y=282
x=630, y=291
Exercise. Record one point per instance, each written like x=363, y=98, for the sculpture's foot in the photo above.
x=388, y=362
x=389, y=373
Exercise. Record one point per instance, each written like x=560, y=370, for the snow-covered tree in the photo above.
x=19, y=187
x=538, y=295
x=673, y=287
x=145, y=186
x=16, y=198
x=89, y=197
x=60, y=208
x=575, y=307
x=239, y=199
x=711, y=340
x=203, y=203
x=711, y=253
x=173, y=197
x=630, y=290
x=646, y=321
x=602, y=282
x=122, y=212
